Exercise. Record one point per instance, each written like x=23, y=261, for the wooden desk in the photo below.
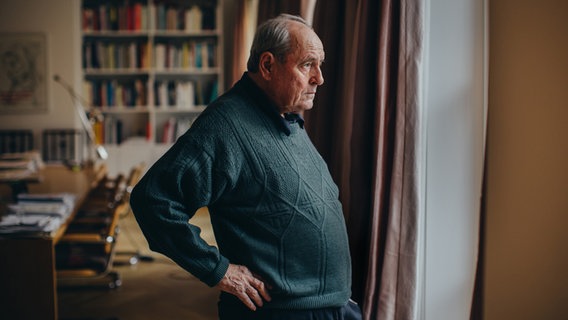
x=28, y=288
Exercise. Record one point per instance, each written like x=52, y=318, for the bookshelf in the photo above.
x=150, y=66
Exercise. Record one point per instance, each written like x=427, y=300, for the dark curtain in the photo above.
x=476, y=312
x=365, y=123
x=271, y=8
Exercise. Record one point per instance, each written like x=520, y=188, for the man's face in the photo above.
x=294, y=82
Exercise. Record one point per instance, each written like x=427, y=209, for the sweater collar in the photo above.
x=263, y=102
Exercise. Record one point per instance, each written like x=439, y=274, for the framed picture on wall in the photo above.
x=23, y=73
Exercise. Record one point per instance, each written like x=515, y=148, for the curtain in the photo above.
x=238, y=56
x=476, y=311
x=271, y=8
x=365, y=123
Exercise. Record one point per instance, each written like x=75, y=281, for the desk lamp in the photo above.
x=79, y=104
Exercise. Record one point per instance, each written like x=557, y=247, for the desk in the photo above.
x=28, y=288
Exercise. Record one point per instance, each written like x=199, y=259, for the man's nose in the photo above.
x=317, y=76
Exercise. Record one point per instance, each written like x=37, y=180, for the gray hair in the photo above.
x=272, y=36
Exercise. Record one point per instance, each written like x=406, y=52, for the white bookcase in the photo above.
x=149, y=68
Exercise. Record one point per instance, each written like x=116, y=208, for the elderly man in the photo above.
x=282, y=243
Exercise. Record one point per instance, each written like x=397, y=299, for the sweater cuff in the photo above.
x=213, y=278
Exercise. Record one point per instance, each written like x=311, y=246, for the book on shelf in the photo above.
x=205, y=92
x=137, y=16
x=198, y=51
x=159, y=56
x=128, y=16
x=185, y=94
x=160, y=94
x=213, y=91
x=113, y=130
x=193, y=19
x=98, y=130
x=112, y=93
x=169, y=130
x=171, y=93
x=160, y=16
x=179, y=93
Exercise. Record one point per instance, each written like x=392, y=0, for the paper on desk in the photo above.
x=31, y=159
x=41, y=208
x=64, y=197
x=59, y=204
x=28, y=224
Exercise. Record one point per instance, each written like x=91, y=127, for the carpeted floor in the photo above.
x=150, y=290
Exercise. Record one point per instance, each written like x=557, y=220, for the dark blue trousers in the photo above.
x=232, y=309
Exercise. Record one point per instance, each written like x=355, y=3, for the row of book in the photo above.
x=116, y=55
x=105, y=16
x=132, y=93
x=183, y=93
x=63, y=145
x=136, y=55
x=16, y=140
x=111, y=93
x=139, y=16
x=109, y=131
x=187, y=54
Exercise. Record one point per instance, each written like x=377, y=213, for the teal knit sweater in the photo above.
x=273, y=204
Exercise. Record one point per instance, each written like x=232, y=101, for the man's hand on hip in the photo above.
x=242, y=283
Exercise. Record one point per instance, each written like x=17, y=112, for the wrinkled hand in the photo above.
x=248, y=287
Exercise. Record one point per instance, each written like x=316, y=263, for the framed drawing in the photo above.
x=23, y=73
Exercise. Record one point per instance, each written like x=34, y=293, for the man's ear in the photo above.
x=266, y=64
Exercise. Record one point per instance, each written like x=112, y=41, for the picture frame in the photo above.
x=23, y=73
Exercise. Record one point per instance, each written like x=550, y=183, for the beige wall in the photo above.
x=59, y=21
x=526, y=267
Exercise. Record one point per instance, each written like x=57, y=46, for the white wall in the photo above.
x=454, y=114
x=59, y=20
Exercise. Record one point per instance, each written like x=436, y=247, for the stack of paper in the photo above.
x=12, y=224
x=37, y=213
x=17, y=166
